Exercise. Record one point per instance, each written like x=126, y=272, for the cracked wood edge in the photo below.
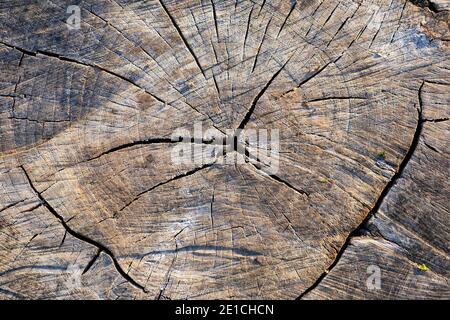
x=397, y=245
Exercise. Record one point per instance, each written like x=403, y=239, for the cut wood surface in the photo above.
x=92, y=205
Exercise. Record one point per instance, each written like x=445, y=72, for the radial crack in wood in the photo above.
x=224, y=149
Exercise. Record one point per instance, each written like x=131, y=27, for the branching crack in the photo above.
x=155, y=140
x=81, y=237
x=95, y=66
x=381, y=197
x=249, y=156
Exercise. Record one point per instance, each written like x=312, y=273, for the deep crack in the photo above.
x=81, y=237
x=382, y=196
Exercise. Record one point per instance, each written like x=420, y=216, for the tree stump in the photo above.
x=92, y=205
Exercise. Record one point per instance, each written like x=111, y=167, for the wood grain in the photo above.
x=93, y=207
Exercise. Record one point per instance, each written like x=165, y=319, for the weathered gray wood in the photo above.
x=92, y=206
x=409, y=232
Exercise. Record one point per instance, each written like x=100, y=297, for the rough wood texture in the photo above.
x=91, y=205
